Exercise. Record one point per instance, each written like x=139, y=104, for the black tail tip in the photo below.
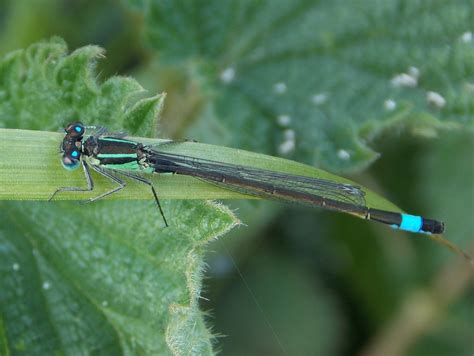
x=433, y=226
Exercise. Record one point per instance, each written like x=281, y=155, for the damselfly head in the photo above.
x=75, y=129
x=71, y=145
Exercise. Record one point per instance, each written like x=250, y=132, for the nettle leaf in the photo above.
x=102, y=278
x=142, y=117
x=42, y=88
x=105, y=278
x=327, y=75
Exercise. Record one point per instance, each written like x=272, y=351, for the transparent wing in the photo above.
x=255, y=181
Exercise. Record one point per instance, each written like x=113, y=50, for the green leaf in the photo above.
x=42, y=88
x=143, y=116
x=334, y=73
x=35, y=171
x=104, y=278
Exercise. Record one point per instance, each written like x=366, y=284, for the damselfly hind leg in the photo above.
x=90, y=184
x=103, y=172
x=150, y=184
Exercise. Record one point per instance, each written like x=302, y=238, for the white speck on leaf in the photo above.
x=319, y=99
x=288, y=144
x=227, y=75
x=404, y=80
x=279, y=88
x=435, y=99
x=343, y=154
x=389, y=105
x=286, y=147
x=284, y=120
x=466, y=37
x=46, y=285
x=105, y=303
x=16, y=267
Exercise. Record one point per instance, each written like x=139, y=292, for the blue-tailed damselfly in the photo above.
x=113, y=156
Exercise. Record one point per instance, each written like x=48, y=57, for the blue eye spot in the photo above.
x=78, y=128
x=75, y=154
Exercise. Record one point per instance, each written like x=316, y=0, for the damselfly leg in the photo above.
x=90, y=184
x=150, y=184
x=123, y=184
x=103, y=172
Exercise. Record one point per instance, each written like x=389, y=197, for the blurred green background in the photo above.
x=294, y=280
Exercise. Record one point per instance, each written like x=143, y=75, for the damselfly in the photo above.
x=114, y=157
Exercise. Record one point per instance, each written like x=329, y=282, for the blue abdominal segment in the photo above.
x=411, y=223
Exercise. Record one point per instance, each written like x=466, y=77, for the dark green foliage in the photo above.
x=330, y=66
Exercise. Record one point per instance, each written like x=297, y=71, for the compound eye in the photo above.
x=70, y=159
x=75, y=129
x=69, y=163
x=74, y=153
